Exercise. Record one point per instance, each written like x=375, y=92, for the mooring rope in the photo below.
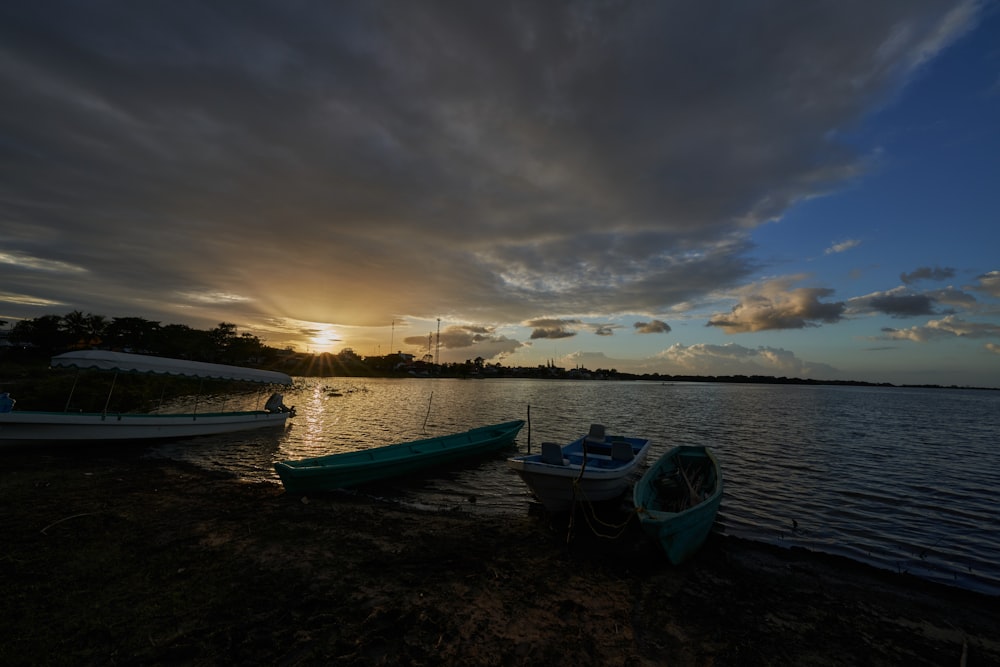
x=590, y=515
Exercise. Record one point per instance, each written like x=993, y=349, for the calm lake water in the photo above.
x=904, y=479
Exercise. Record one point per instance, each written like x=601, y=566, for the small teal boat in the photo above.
x=339, y=471
x=677, y=499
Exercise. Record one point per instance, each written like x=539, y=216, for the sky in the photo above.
x=786, y=188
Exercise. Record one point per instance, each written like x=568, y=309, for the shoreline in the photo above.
x=109, y=558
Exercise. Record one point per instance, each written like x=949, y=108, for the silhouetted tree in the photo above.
x=84, y=331
x=133, y=334
x=45, y=334
x=222, y=338
x=184, y=342
x=243, y=348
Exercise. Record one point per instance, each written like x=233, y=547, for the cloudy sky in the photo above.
x=792, y=188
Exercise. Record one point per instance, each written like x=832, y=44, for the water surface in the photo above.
x=904, y=479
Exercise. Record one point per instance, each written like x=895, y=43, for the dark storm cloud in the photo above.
x=550, y=328
x=507, y=159
x=775, y=305
x=456, y=337
x=927, y=273
x=484, y=340
x=902, y=305
x=903, y=302
x=653, y=326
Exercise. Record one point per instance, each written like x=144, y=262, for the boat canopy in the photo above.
x=105, y=360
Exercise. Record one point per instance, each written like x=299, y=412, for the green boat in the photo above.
x=677, y=499
x=340, y=471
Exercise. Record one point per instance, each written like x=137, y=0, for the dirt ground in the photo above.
x=109, y=559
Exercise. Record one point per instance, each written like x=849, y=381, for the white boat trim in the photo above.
x=23, y=428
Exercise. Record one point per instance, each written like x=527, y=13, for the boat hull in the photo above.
x=679, y=529
x=28, y=428
x=597, y=478
x=350, y=469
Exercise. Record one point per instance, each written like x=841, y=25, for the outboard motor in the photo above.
x=276, y=403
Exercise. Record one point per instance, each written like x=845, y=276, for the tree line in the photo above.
x=48, y=335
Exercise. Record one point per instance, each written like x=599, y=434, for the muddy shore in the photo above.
x=110, y=559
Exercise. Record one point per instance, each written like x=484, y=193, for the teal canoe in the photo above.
x=677, y=499
x=339, y=471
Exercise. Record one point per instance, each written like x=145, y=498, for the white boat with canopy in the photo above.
x=19, y=427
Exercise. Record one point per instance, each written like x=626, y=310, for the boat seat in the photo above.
x=596, y=434
x=621, y=451
x=552, y=454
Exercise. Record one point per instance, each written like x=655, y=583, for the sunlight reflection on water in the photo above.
x=900, y=478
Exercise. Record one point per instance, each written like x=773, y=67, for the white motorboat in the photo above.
x=594, y=468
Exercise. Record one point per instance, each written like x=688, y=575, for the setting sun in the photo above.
x=322, y=338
